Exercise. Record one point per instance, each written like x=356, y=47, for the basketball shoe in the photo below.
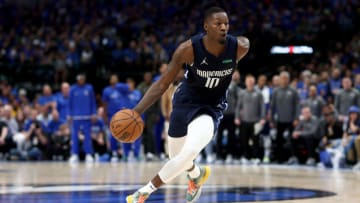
x=137, y=197
x=194, y=185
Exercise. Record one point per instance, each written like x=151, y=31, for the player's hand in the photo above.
x=237, y=121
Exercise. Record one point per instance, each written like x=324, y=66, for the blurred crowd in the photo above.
x=306, y=109
x=49, y=39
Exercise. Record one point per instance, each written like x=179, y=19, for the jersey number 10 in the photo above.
x=212, y=82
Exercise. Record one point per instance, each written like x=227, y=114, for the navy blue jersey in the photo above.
x=203, y=89
x=207, y=79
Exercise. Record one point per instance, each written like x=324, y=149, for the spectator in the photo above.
x=323, y=86
x=250, y=109
x=357, y=149
x=305, y=133
x=59, y=137
x=346, y=98
x=46, y=101
x=60, y=149
x=285, y=112
x=314, y=102
x=225, y=139
x=62, y=101
x=80, y=117
x=23, y=99
x=6, y=139
x=36, y=144
x=331, y=131
x=114, y=99
x=335, y=81
x=265, y=132
x=8, y=117
x=151, y=117
x=98, y=135
x=132, y=98
x=357, y=82
x=351, y=133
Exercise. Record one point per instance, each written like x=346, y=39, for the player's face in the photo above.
x=217, y=26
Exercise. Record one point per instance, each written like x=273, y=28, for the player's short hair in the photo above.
x=210, y=11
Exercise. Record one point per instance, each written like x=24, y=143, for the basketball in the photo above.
x=126, y=125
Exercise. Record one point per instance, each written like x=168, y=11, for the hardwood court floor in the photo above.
x=104, y=182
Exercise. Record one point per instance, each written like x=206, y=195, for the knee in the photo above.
x=189, y=154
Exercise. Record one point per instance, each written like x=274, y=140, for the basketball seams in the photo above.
x=133, y=128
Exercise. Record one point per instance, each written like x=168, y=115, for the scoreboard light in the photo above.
x=292, y=50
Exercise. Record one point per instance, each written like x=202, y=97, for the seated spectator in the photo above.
x=55, y=123
x=357, y=149
x=60, y=146
x=6, y=140
x=46, y=101
x=8, y=117
x=98, y=135
x=305, y=134
x=352, y=131
x=330, y=145
x=36, y=141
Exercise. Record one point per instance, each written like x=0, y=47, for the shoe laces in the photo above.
x=141, y=198
x=192, y=186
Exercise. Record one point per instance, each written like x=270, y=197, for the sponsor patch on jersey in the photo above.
x=227, y=61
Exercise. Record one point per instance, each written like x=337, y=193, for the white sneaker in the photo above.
x=255, y=161
x=210, y=159
x=310, y=162
x=74, y=158
x=244, y=161
x=357, y=166
x=89, y=158
x=229, y=159
x=114, y=159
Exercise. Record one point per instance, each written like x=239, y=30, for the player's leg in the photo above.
x=88, y=147
x=197, y=138
x=75, y=128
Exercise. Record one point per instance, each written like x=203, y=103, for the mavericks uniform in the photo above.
x=203, y=89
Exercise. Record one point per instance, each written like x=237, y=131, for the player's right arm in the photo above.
x=183, y=54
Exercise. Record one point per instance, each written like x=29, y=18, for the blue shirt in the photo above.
x=115, y=97
x=98, y=126
x=54, y=126
x=28, y=123
x=207, y=79
x=46, y=99
x=82, y=104
x=133, y=98
x=62, y=105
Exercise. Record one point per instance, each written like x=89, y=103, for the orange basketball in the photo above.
x=126, y=125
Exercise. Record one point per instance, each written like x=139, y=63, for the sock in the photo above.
x=149, y=188
x=195, y=172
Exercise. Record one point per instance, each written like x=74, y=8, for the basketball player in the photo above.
x=198, y=103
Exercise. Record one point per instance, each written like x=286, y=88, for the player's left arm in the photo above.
x=243, y=47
